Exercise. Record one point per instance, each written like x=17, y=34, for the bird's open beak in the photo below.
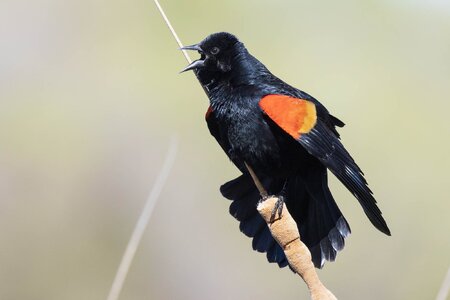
x=197, y=63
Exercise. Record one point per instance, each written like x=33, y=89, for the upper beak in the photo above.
x=197, y=63
x=192, y=47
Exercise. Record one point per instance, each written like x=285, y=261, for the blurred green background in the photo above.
x=90, y=93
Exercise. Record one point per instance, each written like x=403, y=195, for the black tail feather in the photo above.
x=245, y=198
x=321, y=224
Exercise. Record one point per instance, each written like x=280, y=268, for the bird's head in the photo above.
x=222, y=58
x=217, y=52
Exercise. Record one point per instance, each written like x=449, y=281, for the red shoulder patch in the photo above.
x=293, y=115
x=208, y=112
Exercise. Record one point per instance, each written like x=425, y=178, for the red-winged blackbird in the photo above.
x=289, y=139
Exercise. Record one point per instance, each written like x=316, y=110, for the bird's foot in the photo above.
x=278, y=208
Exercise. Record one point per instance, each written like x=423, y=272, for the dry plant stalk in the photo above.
x=142, y=222
x=445, y=287
x=284, y=230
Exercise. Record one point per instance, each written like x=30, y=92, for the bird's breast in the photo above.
x=251, y=139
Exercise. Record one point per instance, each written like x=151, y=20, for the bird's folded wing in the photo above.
x=298, y=118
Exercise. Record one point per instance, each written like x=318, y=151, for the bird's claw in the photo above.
x=278, y=208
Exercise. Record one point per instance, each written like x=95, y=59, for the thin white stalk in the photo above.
x=180, y=44
x=142, y=222
x=163, y=14
x=445, y=287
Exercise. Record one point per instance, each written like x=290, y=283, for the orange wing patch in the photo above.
x=293, y=115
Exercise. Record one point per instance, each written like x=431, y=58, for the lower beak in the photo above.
x=194, y=65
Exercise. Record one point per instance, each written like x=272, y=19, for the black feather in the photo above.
x=322, y=144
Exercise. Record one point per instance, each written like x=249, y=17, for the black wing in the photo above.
x=321, y=140
x=324, y=145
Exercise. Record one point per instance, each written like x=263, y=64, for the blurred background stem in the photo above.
x=142, y=222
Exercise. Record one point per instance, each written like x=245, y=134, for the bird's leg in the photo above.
x=278, y=208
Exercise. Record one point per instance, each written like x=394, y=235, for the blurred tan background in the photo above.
x=90, y=93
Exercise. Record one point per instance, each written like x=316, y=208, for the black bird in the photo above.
x=289, y=139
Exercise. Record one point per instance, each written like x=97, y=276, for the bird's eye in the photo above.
x=215, y=50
